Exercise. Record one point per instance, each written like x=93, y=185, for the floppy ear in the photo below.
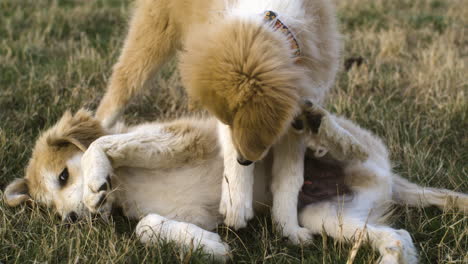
x=259, y=124
x=80, y=130
x=16, y=192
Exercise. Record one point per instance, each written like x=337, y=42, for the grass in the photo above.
x=410, y=90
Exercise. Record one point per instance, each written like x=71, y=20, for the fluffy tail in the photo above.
x=408, y=193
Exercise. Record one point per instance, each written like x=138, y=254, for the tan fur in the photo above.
x=200, y=144
x=17, y=192
x=254, y=90
x=80, y=129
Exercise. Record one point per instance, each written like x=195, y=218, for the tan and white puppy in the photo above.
x=169, y=176
x=248, y=63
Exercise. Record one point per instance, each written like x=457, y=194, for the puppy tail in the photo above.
x=411, y=194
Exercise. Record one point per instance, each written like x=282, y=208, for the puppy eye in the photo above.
x=63, y=177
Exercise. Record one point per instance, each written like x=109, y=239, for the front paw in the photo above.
x=212, y=244
x=96, y=195
x=310, y=118
x=97, y=171
x=236, y=211
x=298, y=235
x=313, y=114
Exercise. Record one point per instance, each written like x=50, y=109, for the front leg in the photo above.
x=151, y=40
x=154, y=227
x=97, y=171
x=151, y=147
x=288, y=178
x=237, y=186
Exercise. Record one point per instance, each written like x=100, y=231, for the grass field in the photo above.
x=410, y=90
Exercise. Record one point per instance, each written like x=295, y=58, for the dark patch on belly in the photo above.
x=324, y=179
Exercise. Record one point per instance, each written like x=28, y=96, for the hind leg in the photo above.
x=394, y=246
x=153, y=227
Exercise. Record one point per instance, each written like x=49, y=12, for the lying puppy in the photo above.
x=248, y=63
x=169, y=176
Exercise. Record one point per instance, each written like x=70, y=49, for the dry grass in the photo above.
x=410, y=90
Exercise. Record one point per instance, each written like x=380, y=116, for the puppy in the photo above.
x=248, y=63
x=169, y=177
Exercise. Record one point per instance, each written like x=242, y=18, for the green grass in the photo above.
x=410, y=90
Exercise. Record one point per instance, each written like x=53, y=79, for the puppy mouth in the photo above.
x=244, y=162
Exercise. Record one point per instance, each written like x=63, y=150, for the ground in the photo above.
x=410, y=89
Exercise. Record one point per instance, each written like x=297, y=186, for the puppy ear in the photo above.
x=79, y=130
x=16, y=192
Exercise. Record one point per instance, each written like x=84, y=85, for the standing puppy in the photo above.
x=248, y=63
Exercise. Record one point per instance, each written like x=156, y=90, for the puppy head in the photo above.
x=53, y=175
x=243, y=73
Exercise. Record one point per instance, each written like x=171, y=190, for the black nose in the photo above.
x=298, y=124
x=72, y=217
x=243, y=161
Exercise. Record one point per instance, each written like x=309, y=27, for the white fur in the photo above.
x=154, y=227
x=68, y=199
x=288, y=178
x=238, y=182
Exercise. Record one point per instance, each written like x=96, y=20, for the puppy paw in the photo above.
x=313, y=115
x=236, y=212
x=97, y=195
x=235, y=206
x=410, y=254
x=399, y=250
x=298, y=235
x=97, y=184
x=213, y=245
x=153, y=227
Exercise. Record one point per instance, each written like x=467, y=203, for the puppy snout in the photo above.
x=243, y=162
